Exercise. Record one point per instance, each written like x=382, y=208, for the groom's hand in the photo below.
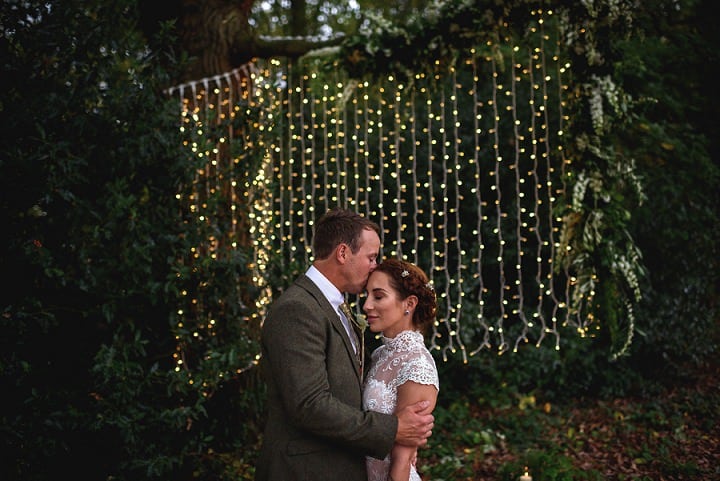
x=415, y=424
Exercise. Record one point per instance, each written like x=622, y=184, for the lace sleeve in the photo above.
x=420, y=368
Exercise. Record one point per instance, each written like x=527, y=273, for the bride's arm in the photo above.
x=404, y=456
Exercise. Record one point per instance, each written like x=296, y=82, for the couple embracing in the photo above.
x=332, y=415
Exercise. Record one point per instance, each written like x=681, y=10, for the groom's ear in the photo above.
x=341, y=252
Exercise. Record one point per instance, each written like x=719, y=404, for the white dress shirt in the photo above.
x=334, y=297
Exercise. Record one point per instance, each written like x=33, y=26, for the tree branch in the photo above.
x=293, y=47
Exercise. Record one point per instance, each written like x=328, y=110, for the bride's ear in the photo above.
x=411, y=302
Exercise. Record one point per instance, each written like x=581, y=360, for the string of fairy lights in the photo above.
x=462, y=170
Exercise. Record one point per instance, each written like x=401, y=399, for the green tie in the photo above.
x=345, y=309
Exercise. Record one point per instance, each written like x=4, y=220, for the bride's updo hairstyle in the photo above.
x=409, y=280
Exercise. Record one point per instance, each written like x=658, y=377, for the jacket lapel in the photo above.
x=334, y=318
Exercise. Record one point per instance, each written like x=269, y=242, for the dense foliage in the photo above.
x=95, y=249
x=674, y=139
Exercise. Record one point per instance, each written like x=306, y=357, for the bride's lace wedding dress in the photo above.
x=400, y=359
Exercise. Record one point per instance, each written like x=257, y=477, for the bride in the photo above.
x=400, y=304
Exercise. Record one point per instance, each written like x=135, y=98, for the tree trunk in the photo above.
x=217, y=34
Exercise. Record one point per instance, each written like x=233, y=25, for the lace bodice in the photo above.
x=399, y=360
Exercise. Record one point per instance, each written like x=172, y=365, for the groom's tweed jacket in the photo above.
x=316, y=429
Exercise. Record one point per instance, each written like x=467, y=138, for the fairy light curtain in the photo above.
x=462, y=171
x=215, y=205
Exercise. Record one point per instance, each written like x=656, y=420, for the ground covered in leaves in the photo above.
x=671, y=435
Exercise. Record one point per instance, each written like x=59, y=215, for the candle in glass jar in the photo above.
x=526, y=476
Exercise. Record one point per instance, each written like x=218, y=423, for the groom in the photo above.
x=316, y=428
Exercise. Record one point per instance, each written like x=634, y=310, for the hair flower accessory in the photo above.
x=430, y=286
x=404, y=273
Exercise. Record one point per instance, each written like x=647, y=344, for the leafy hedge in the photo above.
x=94, y=242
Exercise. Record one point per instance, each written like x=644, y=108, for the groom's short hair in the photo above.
x=340, y=226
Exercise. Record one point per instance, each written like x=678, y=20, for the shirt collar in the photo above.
x=332, y=293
